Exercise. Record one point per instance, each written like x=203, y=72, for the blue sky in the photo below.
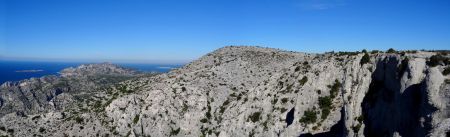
x=174, y=31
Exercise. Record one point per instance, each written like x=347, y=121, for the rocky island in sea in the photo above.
x=29, y=71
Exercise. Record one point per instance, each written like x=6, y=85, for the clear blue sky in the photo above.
x=182, y=30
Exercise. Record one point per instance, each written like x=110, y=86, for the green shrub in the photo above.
x=391, y=50
x=274, y=101
x=375, y=51
x=325, y=104
x=365, y=59
x=438, y=60
x=204, y=120
x=124, y=89
x=335, y=88
x=343, y=53
x=364, y=51
x=297, y=69
x=136, y=119
x=224, y=106
x=305, y=63
x=283, y=110
x=174, y=132
x=185, y=107
x=41, y=129
x=35, y=117
x=79, y=119
x=446, y=71
x=356, y=128
x=325, y=113
x=360, y=118
x=208, y=114
x=309, y=117
x=255, y=117
x=303, y=80
x=284, y=100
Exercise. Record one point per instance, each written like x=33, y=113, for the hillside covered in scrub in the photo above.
x=241, y=91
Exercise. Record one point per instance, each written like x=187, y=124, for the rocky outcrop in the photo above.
x=56, y=93
x=253, y=91
x=98, y=69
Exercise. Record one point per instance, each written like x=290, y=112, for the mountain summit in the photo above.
x=243, y=91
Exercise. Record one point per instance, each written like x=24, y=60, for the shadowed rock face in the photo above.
x=387, y=109
x=290, y=117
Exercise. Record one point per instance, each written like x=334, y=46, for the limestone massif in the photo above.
x=240, y=91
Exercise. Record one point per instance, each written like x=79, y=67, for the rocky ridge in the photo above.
x=253, y=91
x=58, y=92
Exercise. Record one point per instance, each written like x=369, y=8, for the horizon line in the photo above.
x=124, y=61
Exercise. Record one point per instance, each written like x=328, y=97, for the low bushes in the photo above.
x=309, y=117
x=365, y=59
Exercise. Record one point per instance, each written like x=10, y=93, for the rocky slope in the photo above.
x=55, y=93
x=253, y=91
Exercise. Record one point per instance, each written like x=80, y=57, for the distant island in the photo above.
x=162, y=67
x=29, y=71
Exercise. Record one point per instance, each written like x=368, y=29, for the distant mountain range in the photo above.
x=240, y=91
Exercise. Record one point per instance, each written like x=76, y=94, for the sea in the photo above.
x=19, y=70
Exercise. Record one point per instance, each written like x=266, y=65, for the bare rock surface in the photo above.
x=242, y=91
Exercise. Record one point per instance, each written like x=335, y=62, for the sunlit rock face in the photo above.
x=243, y=91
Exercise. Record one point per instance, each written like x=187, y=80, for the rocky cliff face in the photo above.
x=252, y=91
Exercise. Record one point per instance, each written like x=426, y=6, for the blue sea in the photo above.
x=19, y=70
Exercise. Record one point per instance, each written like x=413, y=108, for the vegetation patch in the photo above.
x=356, y=128
x=438, y=59
x=335, y=88
x=365, y=59
x=36, y=117
x=309, y=117
x=136, y=119
x=185, y=107
x=274, y=101
x=374, y=52
x=124, y=89
x=204, y=120
x=283, y=110
x=303, y=80
x=224, y=106
x=325, y=104
x=343, y=53
x=255, y=117
x=174, y=132
x=41, y=129
x=284, y=100
x=79, y=119
x=297, y=68
x=208, y=113
x=360, y=119
x=446, y=71
x=391, y=50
